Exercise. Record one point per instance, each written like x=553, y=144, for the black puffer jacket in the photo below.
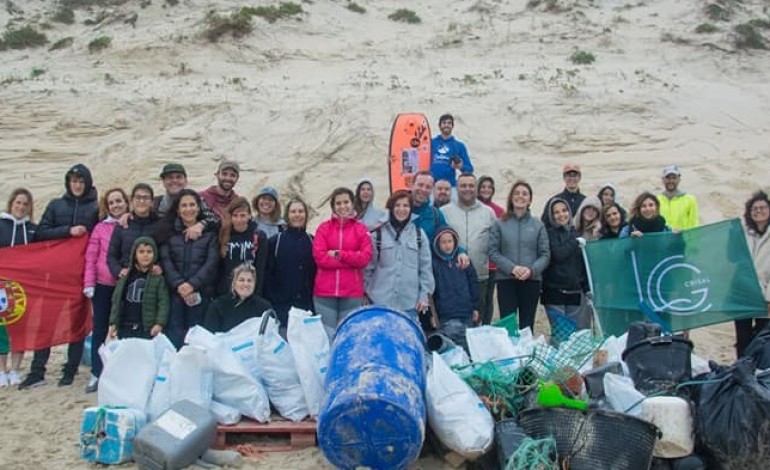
x=194, y=261
x=565, y=276
x=65, y=212
x=249, y=246
x=119, y=252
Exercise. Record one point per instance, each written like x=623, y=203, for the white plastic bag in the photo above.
x=490, y=343
x=242, y=341
x=191, y=377
x=279, y=375
x=622, y=395
x=129, y=374
x=160, y=399
x=234, y=385
x=456, y=356
x=224, y=414
x=455, y=413
x=310, y=348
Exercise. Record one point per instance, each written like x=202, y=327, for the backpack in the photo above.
x=378, y=240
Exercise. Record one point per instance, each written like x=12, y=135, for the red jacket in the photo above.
x=342, y=276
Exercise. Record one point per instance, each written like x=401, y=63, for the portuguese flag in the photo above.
x=41, y=293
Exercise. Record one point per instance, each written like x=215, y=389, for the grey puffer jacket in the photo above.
x=519, y=242
x=400, y=272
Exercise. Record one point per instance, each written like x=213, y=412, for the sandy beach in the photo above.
x=306, y=104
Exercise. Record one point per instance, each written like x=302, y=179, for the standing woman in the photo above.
x=342, y=248
x=98, y=281
x=16, y=228
x=268, y=211
x=518, y=245
x=140, y=223
x=755, y=219
x=291, y=268
x=486, y=191
x=645, y=217
x=240, y=241
x=564, y=280
x=588, y=221
x=609, y=195
x=189, y=266
x=612, y=220
x=400, y=273
x=363, y=204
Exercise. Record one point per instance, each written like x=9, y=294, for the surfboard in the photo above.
x=409, y=150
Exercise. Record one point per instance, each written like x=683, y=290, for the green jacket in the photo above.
x=155, y=304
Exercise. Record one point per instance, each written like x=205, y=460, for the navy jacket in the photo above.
x=194, y=261
x=290, y=272
x=456, y=295
x=65, y=212
x=249, y=246
x=122, y=240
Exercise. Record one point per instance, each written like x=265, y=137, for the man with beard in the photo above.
x=218, y=196
x=442, y=193
x=472, y=220
x=449, y=154
x=678, y=208
x=174, y=179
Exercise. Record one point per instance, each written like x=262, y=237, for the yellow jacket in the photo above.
x=680, y=211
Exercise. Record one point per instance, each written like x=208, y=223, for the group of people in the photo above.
x=164, y=263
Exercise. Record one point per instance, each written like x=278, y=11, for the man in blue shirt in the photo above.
x=448, y=154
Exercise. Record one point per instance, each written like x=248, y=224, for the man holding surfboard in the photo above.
x=448, y=154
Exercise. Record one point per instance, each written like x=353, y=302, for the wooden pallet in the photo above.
x=291, y=435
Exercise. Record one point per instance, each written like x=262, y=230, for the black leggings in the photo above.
x=518, y=296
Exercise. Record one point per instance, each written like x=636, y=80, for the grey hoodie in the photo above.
x=371, y=216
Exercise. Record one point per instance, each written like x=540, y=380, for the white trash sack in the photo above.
x=310, y=348
x=460, y=420
x=621, y=394
x=234, y=384
x=491, y=343
x=279, y=375
x=129, y=374
x=191, y=376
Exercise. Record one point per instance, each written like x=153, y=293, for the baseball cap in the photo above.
x=229, y=164
x=671, y=170
x=570, y=167
x=172, y=168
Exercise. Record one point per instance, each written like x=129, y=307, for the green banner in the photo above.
x=690, y=279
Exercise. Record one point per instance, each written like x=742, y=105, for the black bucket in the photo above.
x=593, y=439
x=659, y=363
x=508, y=437
x=594, y=378
x=641, y=330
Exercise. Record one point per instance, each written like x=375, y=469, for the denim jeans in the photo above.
x=454, y=329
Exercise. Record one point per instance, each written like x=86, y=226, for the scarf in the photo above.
x=657, y=224
x=398, y=226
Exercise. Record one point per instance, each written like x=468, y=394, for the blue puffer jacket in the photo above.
x=456, y=295
x=194, y=261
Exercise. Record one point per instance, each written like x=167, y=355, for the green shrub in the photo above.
x=356, y=8
x=405, y=15
x=36, y=72
x=23, y=38
x=237, y=24
x=271, y=13
x=98, y=44
x=747, y=37
x=582, y=58
x=706, y=28
x=64, y=15
x=62, y=43
x=717, y=12
x=760, y=23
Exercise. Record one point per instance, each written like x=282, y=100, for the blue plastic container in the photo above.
x=107, y=434
x=373, y=412
x=86, y=359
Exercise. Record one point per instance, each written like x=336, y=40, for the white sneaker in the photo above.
x=3, y=380
x=13, y=378
x=93, y=384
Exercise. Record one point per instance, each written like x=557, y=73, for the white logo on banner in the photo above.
x=651, y=289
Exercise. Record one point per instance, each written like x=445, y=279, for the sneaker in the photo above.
x=13, y=378
x=4, y=382
x=32, y=381
x=66, y=379
x=93, y=384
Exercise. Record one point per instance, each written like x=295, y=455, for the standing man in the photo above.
x=472, y=220
x=678, y=208
x=73, y=215
x=428, y=217
x=442, y=193
x=572, y=176
x=448, y=154
x=174, y=179
x=217, y=197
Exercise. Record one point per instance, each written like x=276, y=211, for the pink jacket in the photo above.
x=342, y=276
x=97, y=271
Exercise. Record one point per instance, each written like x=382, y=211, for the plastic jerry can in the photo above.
x=107, y=433
x=176, y=438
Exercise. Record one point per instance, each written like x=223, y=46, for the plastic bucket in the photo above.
x=674, y=418
x=373, y=411
x=508, y=438
x=659, y=363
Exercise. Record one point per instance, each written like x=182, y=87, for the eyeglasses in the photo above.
x=760, y=208
x=142, y=197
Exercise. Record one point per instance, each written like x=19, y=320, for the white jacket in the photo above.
x=759, y=246
x=472, y=224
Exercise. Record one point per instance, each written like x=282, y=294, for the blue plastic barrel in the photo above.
x=373, y=412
